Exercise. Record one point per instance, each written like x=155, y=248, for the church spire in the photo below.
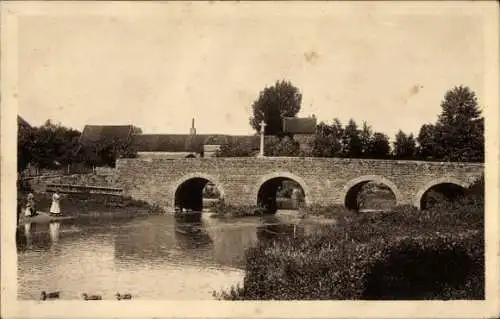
x=192, y=131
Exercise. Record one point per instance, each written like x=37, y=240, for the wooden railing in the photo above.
x=67, y=188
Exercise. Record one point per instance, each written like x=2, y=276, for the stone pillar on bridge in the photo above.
x=262, y=130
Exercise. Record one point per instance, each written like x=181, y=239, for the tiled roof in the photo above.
x=304, y=125
x=166, y=143
x=163, y=142
x=94, y=133
x=186, y=142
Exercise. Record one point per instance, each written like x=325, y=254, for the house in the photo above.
x=186, y=145
x=93, y=136
x=303, y=130
x=300, y=125
x=98, y=133
x=190, y=145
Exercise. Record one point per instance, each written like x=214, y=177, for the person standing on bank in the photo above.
x=55, y=208
x=30, y=206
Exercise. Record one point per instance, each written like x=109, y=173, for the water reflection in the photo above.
x=21, y=239
x=54, y=231
x=40, y=237
x=231, y=239
x=191, y=234
x=155, y=257
x=27, y=233
x=144, y=242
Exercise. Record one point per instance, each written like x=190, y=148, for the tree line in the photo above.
x=54, y=146
x=457, y=134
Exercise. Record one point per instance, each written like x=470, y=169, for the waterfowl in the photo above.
x=124, y=296
x=51, y=295
x=91, y=297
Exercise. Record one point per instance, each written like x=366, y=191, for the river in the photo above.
x=153, y=257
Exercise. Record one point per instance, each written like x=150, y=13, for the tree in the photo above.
x=379, y=146
x=54, y=145
x=428, y=148
x=458, y=134
x=136, y=130
x=106, y=151
x=404, y=146
x=365, y=136
x=327, y=140
x=337, y=129
x=459, y=107
x=234, y=149
x=282, y=147
x=351, y=142
x=128, y=150
x=273, y=104
x=25, y=140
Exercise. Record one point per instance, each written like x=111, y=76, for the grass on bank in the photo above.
x=92, y=205
x=407, y=255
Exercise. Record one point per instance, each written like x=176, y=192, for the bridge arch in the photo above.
x=281, y=175
x=187, y=191
x=352, y=188
x=454, y=185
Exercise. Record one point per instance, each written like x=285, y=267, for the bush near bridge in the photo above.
x=406, y=255
x=223, y=210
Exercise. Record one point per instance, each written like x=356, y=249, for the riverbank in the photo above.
x=406, y=254
x=374, y=198
x=93, y=205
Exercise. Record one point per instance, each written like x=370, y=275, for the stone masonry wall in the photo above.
x=104, y=180
x=324, y=180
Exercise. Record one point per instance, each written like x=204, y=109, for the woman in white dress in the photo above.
x=55, y=209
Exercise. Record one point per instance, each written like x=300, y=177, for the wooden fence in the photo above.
x=67, y=188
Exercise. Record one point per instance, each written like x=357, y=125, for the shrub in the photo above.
x=223, y=210
x=476, y=189
x=406, y=254
x=437, y=267
x=331, y=211
x=426, y=267
x=235, y=149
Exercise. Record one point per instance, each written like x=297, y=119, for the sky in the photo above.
x=157, y=66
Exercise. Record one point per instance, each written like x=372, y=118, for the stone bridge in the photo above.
x=324, y=181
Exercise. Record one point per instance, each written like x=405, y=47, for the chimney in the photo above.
x=192, y=131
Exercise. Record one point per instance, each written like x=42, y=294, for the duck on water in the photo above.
x=56, y=294
x=49, y=295
x=123, y=296
x=85, y=296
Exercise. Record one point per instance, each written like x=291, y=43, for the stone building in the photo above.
x=186, y=145
x=192, y=145
x=302, y=130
